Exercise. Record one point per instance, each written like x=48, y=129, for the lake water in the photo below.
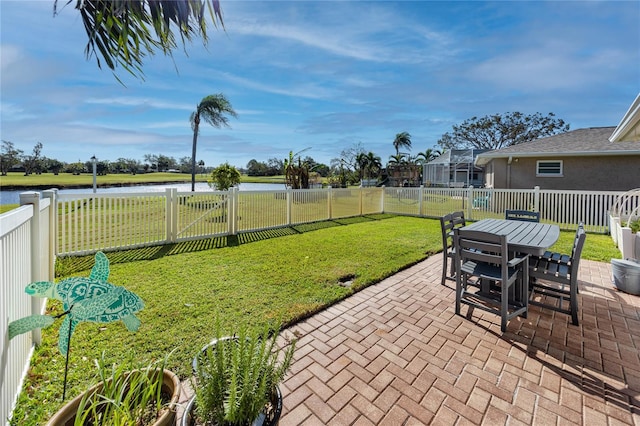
x=13, y=197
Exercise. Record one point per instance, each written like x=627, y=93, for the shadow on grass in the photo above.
x=69, y=265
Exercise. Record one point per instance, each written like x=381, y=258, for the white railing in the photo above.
x=26, y=255
x=626, y=210
x=92, y=222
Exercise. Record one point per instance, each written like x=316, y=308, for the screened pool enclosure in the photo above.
x=454, y=168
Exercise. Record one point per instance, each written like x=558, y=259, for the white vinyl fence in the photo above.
x=91, y=222
x=26, y=254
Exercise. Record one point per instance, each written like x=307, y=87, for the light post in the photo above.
x=93, y=161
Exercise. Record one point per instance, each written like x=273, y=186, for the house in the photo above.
x=583, y=159
x=454, y=168
x=596, y=159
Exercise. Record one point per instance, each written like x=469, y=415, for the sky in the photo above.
x=320, y=76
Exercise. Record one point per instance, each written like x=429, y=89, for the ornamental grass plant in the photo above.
x=126, y=394
x=235, y=377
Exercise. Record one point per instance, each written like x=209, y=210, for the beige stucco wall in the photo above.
x=604, y=173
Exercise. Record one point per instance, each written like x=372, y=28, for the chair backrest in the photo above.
x=576, y=252
x=457, y=218
x=522, y=215
x=481, y=246
x=446, y=226
x=448, y=223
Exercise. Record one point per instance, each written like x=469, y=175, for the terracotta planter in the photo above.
x=170, y=385
x=262, y=420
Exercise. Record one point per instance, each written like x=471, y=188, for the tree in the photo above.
x=427, y=156
x=369, y=164
x=152, y=161
x=31, y=163
x=9, y=157
x=184, y=165
x=500, y=131
x=165, y=163
x=224, y=177
x=256, y=168
x=124, y=32
x=397, y=160
x=402, y=140
x=275, y=166
x=52, y=165
x=212, y=109
x=296, y=171
x=374, y=165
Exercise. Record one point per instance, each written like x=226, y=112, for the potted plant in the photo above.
x=236, y=379
x=124, y=396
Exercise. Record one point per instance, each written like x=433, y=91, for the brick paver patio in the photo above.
x=396, y=354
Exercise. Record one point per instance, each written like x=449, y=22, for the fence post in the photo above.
x=172, y=214
x=420, y=197
x=289, y=198
x=329, y=207
x=469, y=199
x=536, y=198
x=52, y=195
x=382, y=199
x=33, y=198
x=360, y=200
x=232, y=212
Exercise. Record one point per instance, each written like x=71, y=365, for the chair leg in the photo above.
x=459, y=289
x=504, y=306
x=444, y=267
x=573, y=303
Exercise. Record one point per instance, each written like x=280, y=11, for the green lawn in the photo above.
x=66, y=180
x=275, y=276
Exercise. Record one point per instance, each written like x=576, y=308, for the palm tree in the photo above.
x=296, y=176
x=374, y=164
x=212, y=109
x=396, y=160
x=402, y=140
x=362, y=161
x=428, y=155
x=124, y=32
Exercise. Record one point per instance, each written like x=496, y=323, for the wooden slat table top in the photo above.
x=524, y=237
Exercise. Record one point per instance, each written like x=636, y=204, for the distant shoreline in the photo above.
x=81, y=186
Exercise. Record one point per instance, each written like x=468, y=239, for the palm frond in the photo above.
x=123, y=32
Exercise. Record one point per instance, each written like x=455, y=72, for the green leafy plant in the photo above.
x=236, y=377
x=125, y=396
x=224, y=177
x=635, y=226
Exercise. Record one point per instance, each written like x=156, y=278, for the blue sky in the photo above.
x=323, y=75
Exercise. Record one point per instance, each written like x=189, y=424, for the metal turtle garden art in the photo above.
x=91, y=299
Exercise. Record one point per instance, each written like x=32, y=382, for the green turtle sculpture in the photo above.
x=91, y=299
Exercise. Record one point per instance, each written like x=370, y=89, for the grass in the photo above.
x=249, y=279
x=17, y=180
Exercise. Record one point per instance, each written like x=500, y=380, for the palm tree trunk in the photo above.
x=193, y=152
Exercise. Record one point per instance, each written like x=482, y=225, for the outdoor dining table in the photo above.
x=522, y=237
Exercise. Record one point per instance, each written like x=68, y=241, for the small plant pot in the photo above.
x=170, y=386
x=272, y=418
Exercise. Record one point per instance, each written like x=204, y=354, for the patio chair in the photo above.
x=482, y=202
x=447, y=224
x=522, y=215
x=488, y=278
x=555, y=276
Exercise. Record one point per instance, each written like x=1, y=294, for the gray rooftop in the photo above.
x=581, y=142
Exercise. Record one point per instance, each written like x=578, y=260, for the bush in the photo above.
x=224, y=177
